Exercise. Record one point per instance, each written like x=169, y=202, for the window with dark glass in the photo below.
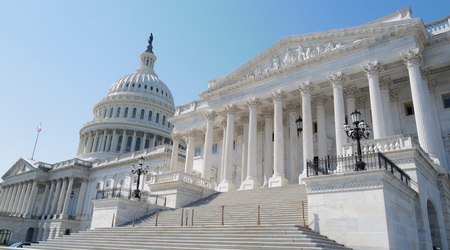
x=133, y=115
x=142, y=114
x=214, y=148
x=446, y=100
x=198, y=151
x=111, y=112
x=129, y=140
x=409, y=108
x=138, y=144
x=118, y=112
x=157, y=118
x=125, y=114
x=150, y=116
x=164, y=120
x=105, y=113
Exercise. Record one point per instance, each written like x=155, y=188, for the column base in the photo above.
x=278, y=181
x=226, y=186
x=250, y=183
x=302, y=176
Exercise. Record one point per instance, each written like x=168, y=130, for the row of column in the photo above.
x=107, y=141
x=18, y=199
x=381, y=118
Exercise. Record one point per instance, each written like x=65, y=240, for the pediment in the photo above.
x=20, y=167
x=298, y=51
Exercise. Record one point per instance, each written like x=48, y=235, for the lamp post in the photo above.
x=299, y=123
x=139, y=170
x=361, y=130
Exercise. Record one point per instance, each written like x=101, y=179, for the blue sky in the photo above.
x=59, y=58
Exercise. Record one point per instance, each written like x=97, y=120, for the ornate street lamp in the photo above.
x=361, y=130
x=299, y=124
x=139, y=170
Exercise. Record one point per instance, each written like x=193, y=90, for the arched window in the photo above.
x=168, y=124
x=129, y=140
x=164, y=120
x=150, y=116
x=134, y=113
x=157, y=118
x=147, y=143
x=118, y=112
x=125, y=114
x=142, y=114
x=111, y=112
x=138, y=144
x=105, y=113
x=5, y=236
x=119, y=144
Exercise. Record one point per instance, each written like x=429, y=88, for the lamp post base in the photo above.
x=360, y=165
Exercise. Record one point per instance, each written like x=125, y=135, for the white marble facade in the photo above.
x=242, y=133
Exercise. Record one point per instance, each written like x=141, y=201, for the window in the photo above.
x=132, y=85
x=121, y=182
x=133, y=115
x=119, y=143
x=111, y=112
x=138, y=144
x=214, y=148
x=145, y=86
x=409, y=108
x=99, y=185
x=198, y=151
x=157, y=118
x=125, y=114
x=149, y=116
x=446, y=100
x=118, y=112
x=168, y=124
x=164, y=120
x=129, y=140
x=5, y=235
x=105, y=113
x=139, y=86
x=142, y=114
x=314, y=127
x=157, y=90
x=108, y=184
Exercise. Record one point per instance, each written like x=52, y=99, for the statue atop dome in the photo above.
x=150, y=46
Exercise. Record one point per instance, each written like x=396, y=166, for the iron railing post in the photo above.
x=259, y=216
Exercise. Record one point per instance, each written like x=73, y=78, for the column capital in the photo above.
x=350, y=91
x=278, y=95
x=372, y=68
x=210, y=115
x=425, y=72
x=412, y=57
x=320, y=99
x=267, y=112
x=253, y=103
x=306, y=87
x=336, y=79
x=176, y=136
x=231, y=109
x=385, y=82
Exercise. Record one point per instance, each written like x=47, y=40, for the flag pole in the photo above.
x=37, y=137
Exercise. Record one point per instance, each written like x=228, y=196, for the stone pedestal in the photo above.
x=278, y=181
x=362, y=210
x=226, y=186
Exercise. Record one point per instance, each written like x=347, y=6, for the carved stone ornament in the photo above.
x=176, y=136
x=385, y=82
x=210, y=115
x=224, y=123
x=231, y=109
x=244, y=119
x=260, y=126
x=350, y=91
x=267, y=112
x=412, y=57
x=425, y=72
x=278, y=95
x=337, y=78
x=239, y=130
x=192, y=132
x=253, y=103
x=372, y=68
x=360, y=102
x=431, y=86
x=292, y=106
x=320, y=99
x=393, y=95
x=306, y=87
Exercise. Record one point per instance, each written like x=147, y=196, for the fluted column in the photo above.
x=278, y=178
x=31, y=198
x=41, y=210
x=227, y=182
x=81, y=198
x=152, y=141
x=65, y=209
x=133, y=142
x=336, y=80
x=55, y=197
x=26, y=197
x=308, y=148
x=5, y=196
x=144, y=138
x=50, y=198
x=176, y=137
x=425, y=129
x=385, y=82
x=191, y=134
x=114, y=142
x=123, y=144
x=251, y=180
x=210, y=116
x=81, y=144
x=268, y=145
x=294, y=164
x=224, y=146
x=10, y=197
x=61, y=200
x=19, y=198
x=244, y=156
x=102, y=141
x=322, y=146
x=372, y=71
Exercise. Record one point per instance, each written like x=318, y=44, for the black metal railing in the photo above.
x=342, y=164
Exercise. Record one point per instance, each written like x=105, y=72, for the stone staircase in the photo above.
x=221, y=221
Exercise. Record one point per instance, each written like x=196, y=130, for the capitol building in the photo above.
x=359, y=116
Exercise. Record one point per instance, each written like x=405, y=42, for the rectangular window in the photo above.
x=314, y=127
x=198, y=151
x=409, y=108
x=214, y=148
x=446, y=100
